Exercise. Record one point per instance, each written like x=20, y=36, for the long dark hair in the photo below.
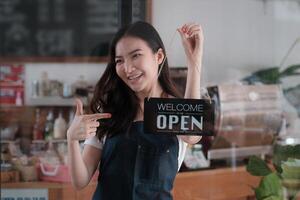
x=112, y=95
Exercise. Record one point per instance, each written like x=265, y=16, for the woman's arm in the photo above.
x=82, y=166
x=192, y=41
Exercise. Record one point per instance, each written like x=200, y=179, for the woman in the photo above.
x=133, y=165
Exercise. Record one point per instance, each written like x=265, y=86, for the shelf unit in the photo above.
x=52, y=140
x=239, y=152
x=54, y=101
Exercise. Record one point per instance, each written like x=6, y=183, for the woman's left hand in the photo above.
x=192, y=40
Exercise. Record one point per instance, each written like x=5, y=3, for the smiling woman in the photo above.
x=137, y=65
x=133, y=165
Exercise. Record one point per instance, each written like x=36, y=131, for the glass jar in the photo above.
x=286, y=147
x=286, y=159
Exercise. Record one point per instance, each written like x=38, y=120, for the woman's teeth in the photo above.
x=135, y=76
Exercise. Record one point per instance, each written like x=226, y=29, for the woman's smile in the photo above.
x=135, y=76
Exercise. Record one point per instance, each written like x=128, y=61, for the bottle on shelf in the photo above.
x=48, y=132
x=80, y=87
x=19, y=100
x=67, y=90
x=35, y=89
x=60, y=127
x=38, y=126
x=44, y=85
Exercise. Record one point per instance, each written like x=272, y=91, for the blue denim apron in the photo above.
x=137, y=166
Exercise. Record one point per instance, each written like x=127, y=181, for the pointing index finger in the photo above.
x=98, y=116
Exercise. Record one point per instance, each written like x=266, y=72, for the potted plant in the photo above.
x=283, y=183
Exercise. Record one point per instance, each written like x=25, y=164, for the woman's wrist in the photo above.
x=72, y=141
x=194, y=64
x=194, y=69
x=69, y=137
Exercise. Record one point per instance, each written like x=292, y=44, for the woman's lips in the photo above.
x=136, y=76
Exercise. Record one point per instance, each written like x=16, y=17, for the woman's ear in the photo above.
x=160, y=56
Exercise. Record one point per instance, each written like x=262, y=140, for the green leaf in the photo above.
x=290, y=71
x=273, y=198
x=258, y=167
x=269, y=76
x=272, y=75
x=269, y=186
x=291, y=89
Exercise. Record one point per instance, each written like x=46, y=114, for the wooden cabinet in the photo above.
x=221, y=184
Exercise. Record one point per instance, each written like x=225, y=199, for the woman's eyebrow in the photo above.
x=131, y=52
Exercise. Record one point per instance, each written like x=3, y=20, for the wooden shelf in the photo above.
x=8, y=141
x=52, y=140
x=239, y=152
x=54, y=101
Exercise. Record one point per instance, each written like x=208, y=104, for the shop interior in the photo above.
x=52, y=52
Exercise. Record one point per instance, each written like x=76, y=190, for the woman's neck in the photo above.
x=156, y=92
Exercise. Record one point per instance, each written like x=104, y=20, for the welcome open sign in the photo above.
x=179, y=116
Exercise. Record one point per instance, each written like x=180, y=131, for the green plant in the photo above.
x=273, y=75
x=272, y=182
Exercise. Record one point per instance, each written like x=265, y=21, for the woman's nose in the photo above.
x=128, y=66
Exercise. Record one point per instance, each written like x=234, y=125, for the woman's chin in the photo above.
x=136, y=89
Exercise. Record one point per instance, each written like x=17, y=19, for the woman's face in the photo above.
x=136, y=64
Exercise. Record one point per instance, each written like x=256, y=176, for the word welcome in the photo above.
x=180, y=107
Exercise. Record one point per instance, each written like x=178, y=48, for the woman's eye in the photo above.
x=118, y=61
x=136, y=55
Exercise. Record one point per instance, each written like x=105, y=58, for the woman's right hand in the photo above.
x=84, y=126
x=192, y=41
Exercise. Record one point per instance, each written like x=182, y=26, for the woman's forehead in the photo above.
x=129, y=44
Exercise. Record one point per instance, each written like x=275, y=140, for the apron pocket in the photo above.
x=147, y=191
x=154, y=165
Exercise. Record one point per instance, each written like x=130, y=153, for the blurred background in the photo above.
x=53, y=51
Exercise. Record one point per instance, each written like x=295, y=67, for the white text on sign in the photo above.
x=168, y=121
x=180, y=107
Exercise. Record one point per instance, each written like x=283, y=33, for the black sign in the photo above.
x=62, y=27
x=179, y=116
